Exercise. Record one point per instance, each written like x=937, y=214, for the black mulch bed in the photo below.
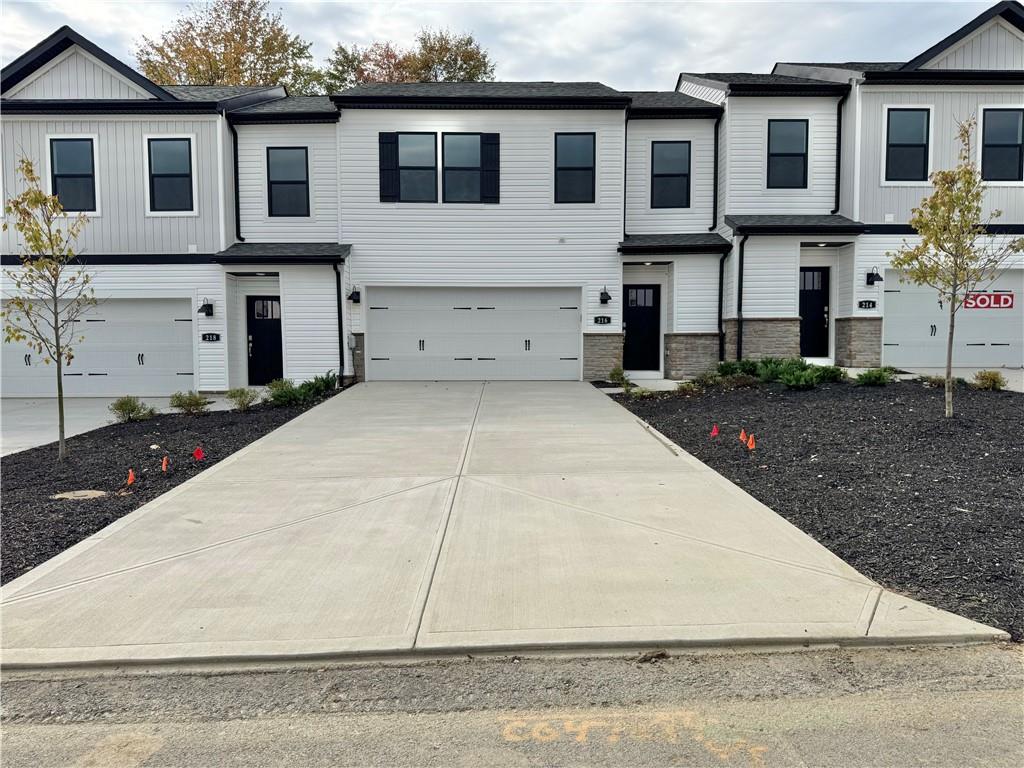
x=35, y=527
x=927, y=506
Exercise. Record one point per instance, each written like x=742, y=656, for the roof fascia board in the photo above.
x=946, y=77
x=479, y=102
x=106, y=106
x=709, y=112
x=282, y=118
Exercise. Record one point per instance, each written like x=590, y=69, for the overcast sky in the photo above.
x=627, y=45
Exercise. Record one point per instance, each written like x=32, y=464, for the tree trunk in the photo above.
x=949, y=358
x=62, y=448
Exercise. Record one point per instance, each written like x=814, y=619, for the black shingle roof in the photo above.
x=822, y=224
x=291, y=104
x=853, y=66
x=690, y=242
x=669, y=104
x=510, y=90
x=752, y=78
x=764, y=84
x=283, y=253
x=212, y=92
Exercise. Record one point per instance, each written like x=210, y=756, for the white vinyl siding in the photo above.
x=309, y=312
x=695, y=294
x=238, y=289
x=997, y=45
x=771, y=266
x=75, y=74
x=525, y=240
x=641, y=218
x=322, y=223
x=704, y=92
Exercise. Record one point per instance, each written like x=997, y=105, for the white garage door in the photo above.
x=132, y=347
x=473, y=333
x=989, y=334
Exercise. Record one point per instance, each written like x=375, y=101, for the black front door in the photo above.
x=263, y=327
x=641, y=318
x=814, y=317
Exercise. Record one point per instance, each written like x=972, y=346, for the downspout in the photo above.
x=839, y=148
x=625, y=150
x=721, y=305
x=739, y=302
x=234, y=155
x=714, y=188
x=341, y=322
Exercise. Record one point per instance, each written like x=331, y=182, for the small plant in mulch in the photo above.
x=639, y=392
x=739, y=381
x=618, y=377
x=828, y=373
x=797, y=379
x=992, y=381
x=284, y=392
x=707, y=379
x=242, y=398
x=728, y=368
x=876, y=377
x=938, y=382
x=190, y=403
x=130, y=408
x=688, y=388
x=770, y=369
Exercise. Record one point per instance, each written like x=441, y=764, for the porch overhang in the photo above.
x=283, y=253
x=829, y=224
x=682, y=243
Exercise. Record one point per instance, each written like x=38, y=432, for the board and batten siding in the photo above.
x=641, y=218
x=76, y=74
x=525, y=240
x=122, y=225
x=996, y=45
x=747, y=175
x=322, y=155
x=949, y=105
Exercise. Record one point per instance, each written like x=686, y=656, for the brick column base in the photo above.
x=689, y=354
x=858, y=342
x=764, y=337
x=601, y=353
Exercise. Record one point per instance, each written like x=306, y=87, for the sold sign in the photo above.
x=989, y=300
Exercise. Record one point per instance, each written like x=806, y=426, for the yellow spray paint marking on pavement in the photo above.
x=666, y=727
x=122, y=750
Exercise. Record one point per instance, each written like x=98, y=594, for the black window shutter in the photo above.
x=388, y=167
x=490, y=161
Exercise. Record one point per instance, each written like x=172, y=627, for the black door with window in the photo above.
x=263, y=328
x=641, y=318
x=814, y=317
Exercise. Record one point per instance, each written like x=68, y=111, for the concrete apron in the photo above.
x=444, y=518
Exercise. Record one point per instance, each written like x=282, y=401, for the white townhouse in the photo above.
x=510, y=230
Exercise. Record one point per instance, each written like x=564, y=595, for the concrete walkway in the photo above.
x=450, y=517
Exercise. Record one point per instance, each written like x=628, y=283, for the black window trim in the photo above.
x=53, y=172
x=1020, y=146
x=398, y=156
x=687, y=175
x=927, y=145
x=271, y=184
x=479, y=168
x=151, y=210
x=805, y=154
x=593, y=168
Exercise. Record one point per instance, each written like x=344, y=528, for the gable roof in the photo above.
x=1010, y=11
x=54, y=45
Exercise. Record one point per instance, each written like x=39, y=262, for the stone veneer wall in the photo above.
x=359, y=357
x=764, y=337
x=689, y=354
x=858, y=342
x=601, y=353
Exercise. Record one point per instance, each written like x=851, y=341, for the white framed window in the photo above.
x=169, y=165
x=908, y=145
x=1001, y=144
x=72, y=172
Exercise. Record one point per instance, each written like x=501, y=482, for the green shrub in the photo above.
x=130, y=408
x=190, y=402
x=989, y=380
x=283, y=392
x=242, y=398
x=639, y=392
x=939, y=382
x=876, y=377
x=320, y=386
x=828, y=373
x=688, y=388
x=794, y=378
x=796, y=364
x=733, y=367
x=617, y=376
x=707, y=379
x=769, y=369
x=740, y=381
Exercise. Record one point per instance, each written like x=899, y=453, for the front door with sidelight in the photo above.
x=814, y=315
x=641, y=320
x=263, y=328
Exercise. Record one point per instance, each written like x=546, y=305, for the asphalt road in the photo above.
x=899, y=707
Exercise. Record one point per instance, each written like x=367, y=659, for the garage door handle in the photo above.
x=28, y=360
x=141, y=357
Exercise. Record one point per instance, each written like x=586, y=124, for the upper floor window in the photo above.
x=408, y=167
x=787, y=154
x=470, y=167
x=670, y=174
x=170, y=174
x=1002, y=145
x=287, y=181
x=906, y=145
x=73, y=173
x=574, y=167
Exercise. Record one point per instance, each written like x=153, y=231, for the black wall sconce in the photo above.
x=605, y=296
x=874, y=277
x=354, y=296
x=206, y=308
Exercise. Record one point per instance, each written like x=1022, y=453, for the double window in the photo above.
x=73, y=173
x=906, y=144
x=670, y=174
x=287, y=181
x=408, y=167
x=787, y=154
x=574, y=167
x=1002, y=145
x=170, y=175
x=470, y=167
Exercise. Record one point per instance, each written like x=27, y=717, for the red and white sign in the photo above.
x=1003, y=300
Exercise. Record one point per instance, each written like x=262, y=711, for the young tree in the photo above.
x=49, y=292
x=955, y=255
x=442, y=56
x=227, y=42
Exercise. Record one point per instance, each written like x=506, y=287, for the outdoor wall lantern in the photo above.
x=354, y=295
x=605, y=296
x=206, y=308
x=874, y=277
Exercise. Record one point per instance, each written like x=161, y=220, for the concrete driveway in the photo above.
x=437, y=517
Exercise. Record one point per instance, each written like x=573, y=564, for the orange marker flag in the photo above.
x=750, y=443
x=714, y=431
x=743, y=436
x=165, y=463
x=131, y=476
